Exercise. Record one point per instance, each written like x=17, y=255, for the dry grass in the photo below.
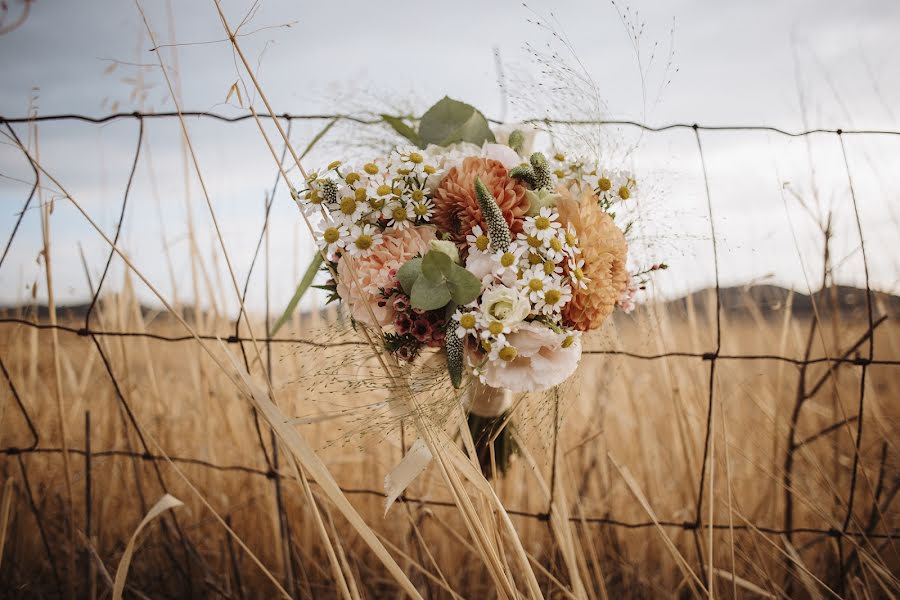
x=630, y=429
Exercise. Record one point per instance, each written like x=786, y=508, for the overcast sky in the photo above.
x=791, y=64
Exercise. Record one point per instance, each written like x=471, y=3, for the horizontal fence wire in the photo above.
x=540, y=516
x=851, y=356
x=237, y=339
x=364, y=120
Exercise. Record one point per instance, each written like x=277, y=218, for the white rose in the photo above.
x=503, y=154
x=481, y=265
x=506, y=305
x=502, y=133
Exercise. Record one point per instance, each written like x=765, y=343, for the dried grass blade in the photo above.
x=165, y=503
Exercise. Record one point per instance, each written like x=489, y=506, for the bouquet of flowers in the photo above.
x=468, y=242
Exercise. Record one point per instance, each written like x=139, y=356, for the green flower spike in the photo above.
x=542, y=179
x=525, y=174
x=516, y=140
x=498, y=230
x=453, y=345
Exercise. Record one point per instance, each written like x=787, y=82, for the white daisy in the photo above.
x=423, y=210
x=534, y=282
x=556, y=250
x=398, y=214
x=466, y=323
x=362, y=239
x=478, y=239
x=576, y=274
x=506, y=263
x=347, y=210
x=544, y=226
x=331, y=237
x=556, y=295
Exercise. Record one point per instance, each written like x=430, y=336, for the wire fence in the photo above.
x=859, y=355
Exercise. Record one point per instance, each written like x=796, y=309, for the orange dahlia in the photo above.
x=456, y=209
x=604, y=252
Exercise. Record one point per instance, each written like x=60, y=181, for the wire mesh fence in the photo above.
x=858, y=355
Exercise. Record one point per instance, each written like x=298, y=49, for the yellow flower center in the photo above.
x=348, y=205
x=496, y=327
x=549, y=266
x=415, y=158
x=534, y=259
x=331, y=235
x=370, y=168
x=570, y=339
x=482, y=242
x=536, y=285
x=399, y=214
x=556, y=244
x=314, y=197
x=418, y=195
x=403, y=171
x=364, y=242
x=376, y=203
x=397, y=191
x=383, y=190
x=552, y=296
x=508, y=354
x=559, y=173
x=486, y=345
x=534, y=242
x=578, y=273
x=570, y=239
x=605, y=184
x=467, y=321
x=624, y=193
x=334, y=165
x=359, y=194
x=559, y=156
x=420, y=209
x=542, y=223
x=351, y=177
x=507, y=259
x=429, y=169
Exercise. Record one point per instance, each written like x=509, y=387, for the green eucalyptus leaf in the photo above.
x=408, y=273
x=426, y=295
x=403, y=129
x=436, y=266
x=474, y=130
x=450, y=121
x=463, y=285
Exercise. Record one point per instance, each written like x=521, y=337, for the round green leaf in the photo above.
x=426, y=295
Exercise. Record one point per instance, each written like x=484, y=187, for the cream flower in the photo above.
x=543, y=359
x=501, y=153
x=504, y=305
x=481, y=265
x=528, y=133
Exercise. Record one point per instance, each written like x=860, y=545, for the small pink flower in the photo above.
x=401, y=303
x=421, y=330
x=403, y=325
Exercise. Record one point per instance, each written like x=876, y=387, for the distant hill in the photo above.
x=770, y=300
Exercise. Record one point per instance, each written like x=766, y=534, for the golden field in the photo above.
x=629, y=451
